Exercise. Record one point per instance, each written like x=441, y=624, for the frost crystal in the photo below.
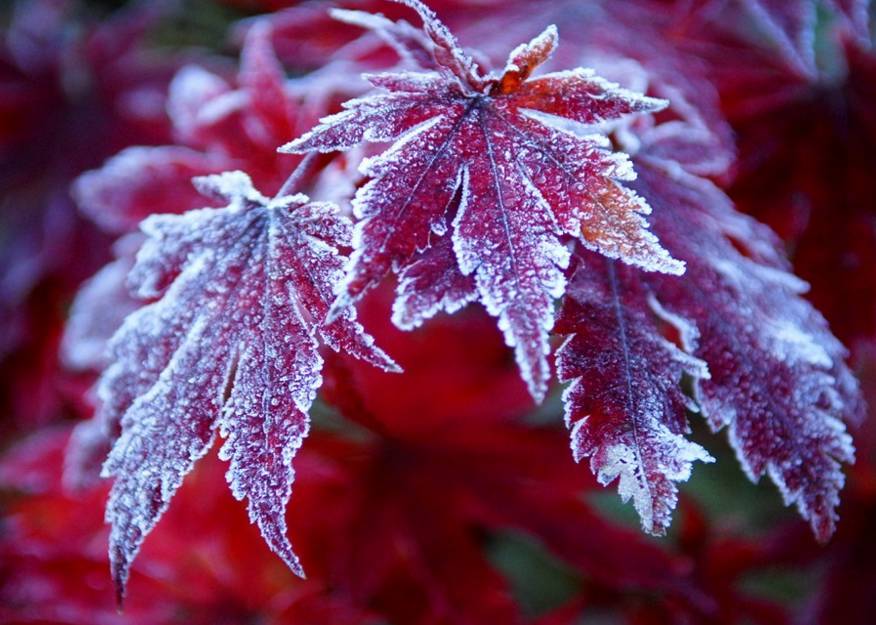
x=230, y=344
x=624, y=406
x=778, y=379
x=479, y=144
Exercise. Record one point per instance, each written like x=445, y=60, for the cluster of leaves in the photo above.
x=586, y=215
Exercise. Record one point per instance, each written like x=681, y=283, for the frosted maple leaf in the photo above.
x=625, y=406
x=231, y=344
x=760, y=359
x=489, y=156
x=778, y=381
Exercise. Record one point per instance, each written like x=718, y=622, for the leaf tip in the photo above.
x=341, y=303
x=291, y=147
x=120, y=568
x=653, y=105
x=675, y=267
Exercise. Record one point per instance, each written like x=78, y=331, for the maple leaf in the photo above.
x=231, y=344
x=100, y=307
x=637, y=35
x=494, y=142
x=431, y=283
x=778, y=381
x=624, y=405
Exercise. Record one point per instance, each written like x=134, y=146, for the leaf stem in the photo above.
x=298, y=174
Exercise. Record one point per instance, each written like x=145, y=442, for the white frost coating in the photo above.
x=626, y=72
x=623, y=462
x=793, y=344
x=515, y=264
x=525, y=184
x=243, y=315
x=412, y=308
x=434, y=282
x=609, y=89
x=410, y=83
x=447, y=51
x=395, y=154
x=647, y=253
x=687, y=331
x=375, y=118
x=235, y=186
x=778, y=381
x=594, y=132
x=548, y=39
x=624, y=406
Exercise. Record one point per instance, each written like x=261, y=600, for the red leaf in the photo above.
x=194, y=569
x=430, y=284
x=778, y=381
x=638, y=39
x=522, y=181
x=625, y=407
x=141, y=181
x=232, y=344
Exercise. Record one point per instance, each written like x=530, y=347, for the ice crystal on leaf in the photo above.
x=487, y=155
x=778, y=381
x=231, y=344
x=762, y=361
x=625, y=406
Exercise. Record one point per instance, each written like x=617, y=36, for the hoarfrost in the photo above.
x=232, y=344
x=624, y=407
x=522, y=184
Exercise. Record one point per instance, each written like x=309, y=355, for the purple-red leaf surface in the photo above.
x=231, y=344
x=625, y=406
x=778, y=382
x=761, y=360
x=489, y=157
